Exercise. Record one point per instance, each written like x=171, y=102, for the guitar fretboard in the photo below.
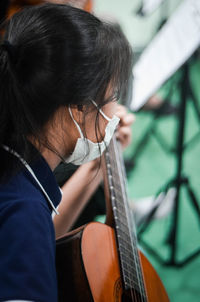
x=124, y=223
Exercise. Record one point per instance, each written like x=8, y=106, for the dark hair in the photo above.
x=51, y=56
x=4, y=4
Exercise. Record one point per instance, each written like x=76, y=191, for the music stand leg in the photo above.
x=177, y=182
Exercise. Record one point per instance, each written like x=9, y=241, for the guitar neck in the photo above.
x=123, y=220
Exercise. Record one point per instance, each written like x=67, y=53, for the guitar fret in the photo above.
x=133, y=282
x=117, y=191
x=130, y=279
x=124, y=250
x=123, y=232
x=122, y=218
x=115, y=175
x=120, y=212
x=126, y=247
x=117, y=202
x=122, y=222
x=130, y=285
x=121, y=226
x=119, y=205
x=131, y=268
x=125, y=240
x=129, y=261
x=135, y=271
x=117, y=183
x=123, y=229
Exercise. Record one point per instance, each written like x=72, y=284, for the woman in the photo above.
x=83, y=197
x=61, y=72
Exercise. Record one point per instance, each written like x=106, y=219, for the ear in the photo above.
x=78, y=113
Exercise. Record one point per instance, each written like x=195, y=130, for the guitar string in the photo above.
x=130, y=221
x=118, y=161
x=134, y=236
x=133, y=295
x=139, y=277
x=129, y=274
x=131, y=225
x=123, y=227
x=122, y=180
x=113, y=202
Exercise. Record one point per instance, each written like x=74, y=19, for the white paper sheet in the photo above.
x=149, y=6
x=171, y=47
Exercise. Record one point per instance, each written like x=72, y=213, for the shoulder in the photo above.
x=28, y=253
x=24, y=211
x=21, y=192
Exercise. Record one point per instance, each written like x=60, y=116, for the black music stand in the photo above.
x=178, y=181
x=151, y=131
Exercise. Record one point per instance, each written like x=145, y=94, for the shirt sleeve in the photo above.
x=27, y=252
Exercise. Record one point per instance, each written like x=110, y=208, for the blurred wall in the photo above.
x=139, y=30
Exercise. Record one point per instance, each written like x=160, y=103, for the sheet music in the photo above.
x=171, y=47
x=149, y=6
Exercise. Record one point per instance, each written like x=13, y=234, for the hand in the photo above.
x=124, y=133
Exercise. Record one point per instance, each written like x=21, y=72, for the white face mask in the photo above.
x=85, y=150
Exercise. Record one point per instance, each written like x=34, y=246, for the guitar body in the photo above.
x=89, y=259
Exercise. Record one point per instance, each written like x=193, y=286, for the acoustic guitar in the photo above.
x=101, y=262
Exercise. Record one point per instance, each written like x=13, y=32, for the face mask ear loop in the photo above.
x=102, y=113
x=75, y=122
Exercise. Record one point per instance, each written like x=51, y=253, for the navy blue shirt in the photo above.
x=27, y=237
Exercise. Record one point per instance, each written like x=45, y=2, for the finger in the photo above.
x=127, y=120
x=125, y=117
x=124, y=132
x=121, y=111
x=124, y=135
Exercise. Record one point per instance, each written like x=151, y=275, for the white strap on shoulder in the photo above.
x=32, y=173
